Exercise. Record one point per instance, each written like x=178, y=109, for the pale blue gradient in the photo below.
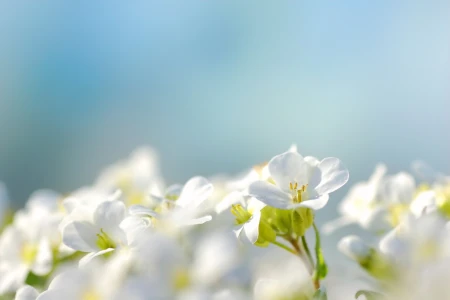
x=219, y=86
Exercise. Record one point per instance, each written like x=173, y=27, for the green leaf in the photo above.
x=369, y=295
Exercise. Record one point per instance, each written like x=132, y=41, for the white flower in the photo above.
x=282, y=277
x=379, y=204
x=208, y=268
x=417, y=241
x=136, y=176
x=247, y=213
x=300, y=182
x=29, y=243
x=100, y=230
x=181, y=206
x=95, y=281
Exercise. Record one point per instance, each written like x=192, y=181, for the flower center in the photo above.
x=90, y=295
x=181, y=279
x=104, y=241
x=28, y=253
x=396, y=213
x=241, y=214
x=297, y=192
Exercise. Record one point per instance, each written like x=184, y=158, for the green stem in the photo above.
x=281, y=245
x=308, y=253
x=321, y=268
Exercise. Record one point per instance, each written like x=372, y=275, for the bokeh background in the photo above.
x=217, y=86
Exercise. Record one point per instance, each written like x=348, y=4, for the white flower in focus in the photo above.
x=300, y=182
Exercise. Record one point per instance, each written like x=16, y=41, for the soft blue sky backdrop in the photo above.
x=217, y=86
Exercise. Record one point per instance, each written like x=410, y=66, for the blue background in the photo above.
x=217, y=86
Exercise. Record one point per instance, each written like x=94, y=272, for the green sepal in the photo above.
x=278, y=219
x=266, y=234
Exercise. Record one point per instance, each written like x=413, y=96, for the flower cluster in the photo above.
x=409, y=221
x=130, y=236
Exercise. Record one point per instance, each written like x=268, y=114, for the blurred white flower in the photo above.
x=280, y=278
x=379, y=204
x=29, y=243
x=137, y=177
x=181, y=206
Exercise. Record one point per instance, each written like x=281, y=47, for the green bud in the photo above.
x=302, y=219
x=298, y=223
x=266, y=234
x=443, y=204
x=278, y=219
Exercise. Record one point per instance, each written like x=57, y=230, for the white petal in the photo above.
x=293, y=148
x=133, y=226
x=238, y=232
x=87, y=258
x=354, y=247
x=392, y=244
x=254, y=205
x=174, y=190
x=109, y=214
x=399, y=188
x=198, y=221
x=270, y=194
x=376, y=220
x=425, y=202
x=286, y=168
x=142, y=210
x=312, y=161
x=195, y=191
x=13, y=279
x=251, y=228
x=230, y=199
x=378, y=174
x=26, y=293
x=333, y=175
x=80, y=236
x=332, y=226
x=58, y=294
x=314, y=204
x=44, y=258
